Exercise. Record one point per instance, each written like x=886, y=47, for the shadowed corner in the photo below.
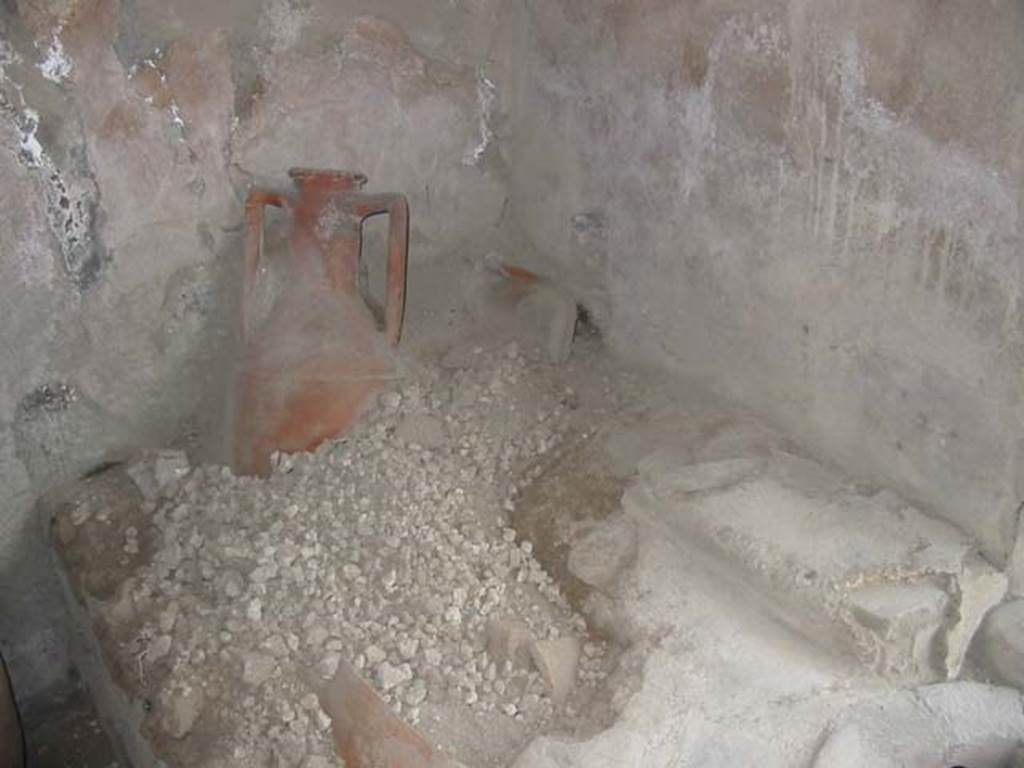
x=12, y=739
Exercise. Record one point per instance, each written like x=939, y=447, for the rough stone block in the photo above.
x=812, y=543
x=545, y=319
x=556, y=661
x=508, y=642
x=667, y=471
x=602, y=553
x=390, y=676
x=1001, y=643
x=981, y=588
x=906, y=619
x=965, y=724
x=155, y=474
x=180, y=710
x=257, y=668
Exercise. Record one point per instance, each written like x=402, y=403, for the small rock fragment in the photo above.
x=180, y=709
x=374, y=655
x=422, y=429
x=317, y=636
x=156, y=474
x=167, y=617
x=905, y=620
x=453, y=615
x=407, y=647
x=169, y=466
x=981, y=588
x=508, y=643
x=1002, y=643
x=416, y=694
x=600, y=555
x=233, y=584
x=328, y=666
x=390, y=676
x=556, y=661
x=257, y=668
x=545, y=321
x=254, y=611
x=159, y=648
x=390, y=400
x=276, y=646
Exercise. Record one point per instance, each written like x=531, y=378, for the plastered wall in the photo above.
x=811, y=206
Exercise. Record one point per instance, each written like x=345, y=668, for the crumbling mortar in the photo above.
x=173, y=109
x=51, y=397
x=70, y=209
x=487, y=97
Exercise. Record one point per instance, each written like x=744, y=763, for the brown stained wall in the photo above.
x=811, y=205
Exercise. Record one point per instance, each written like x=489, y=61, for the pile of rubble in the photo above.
x=388, y=550
x=782, y=612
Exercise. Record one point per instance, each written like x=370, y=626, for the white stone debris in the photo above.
x=389, y=549
x=508, y=643
x=56, y=67
x=180, y=709
x=487, y=96
x=157, y=473
x=603, y=552
x=31, y=150
x=257, y=669
x=557, y=660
